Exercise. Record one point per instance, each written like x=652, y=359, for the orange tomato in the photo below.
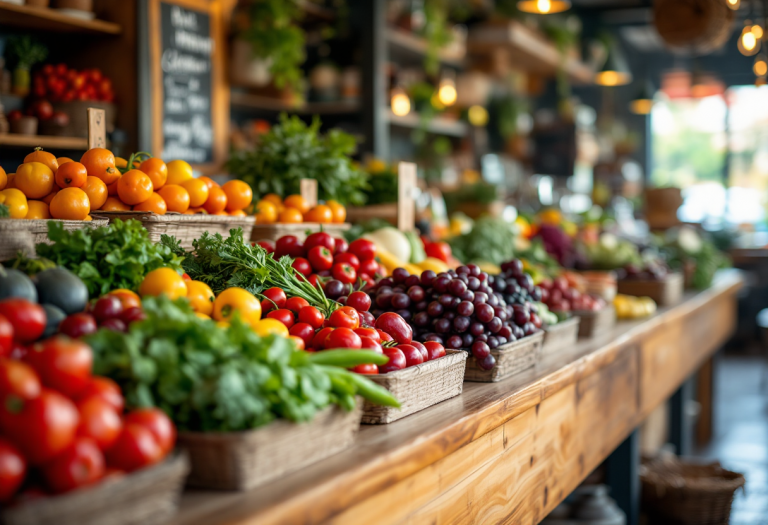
x=11, y=183
x=48, y=198
x=63, y=160
x=198, y=191
x=3, y=179
x=134, y=187
x=339, y=212
x=274, y=198
x=163, y=281
x=238, y=213
x=96, y=190
x=128, y=298
x=43, y=157
x=176, y=198
x=120, y=162
x=209, y=182
x=221, y=213
x=298, y=202
x=193, y=211
x=100, y=163
x=266, y=212
x=37, y=210
x=154, y=203
x=217, y=200
x=290, y=215
x=156, y=170
x=88, y=218
x=112, y=188
x=35, y=179
x=16, y=202
x=298, y=341
x=70, y=204
x=239, y=195
x=178, y=172
x=237, y=300
x=200, y=297
x=71, y=175
x=114, y=204
x=320, y=213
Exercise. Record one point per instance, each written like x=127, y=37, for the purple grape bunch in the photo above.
x=463, y=308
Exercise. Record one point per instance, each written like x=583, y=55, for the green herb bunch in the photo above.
x=208, y=378
x=293, y=150
x=108, y=257
x=491, y=240
x=382, y=186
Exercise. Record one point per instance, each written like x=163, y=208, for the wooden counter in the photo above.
x=503, y=452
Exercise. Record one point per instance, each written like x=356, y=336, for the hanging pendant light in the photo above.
x=615, y=71
x=733, y=4
x=749, y=44
x=760, y=67
x=643, y=102
x=446, y=91
x=543, y=7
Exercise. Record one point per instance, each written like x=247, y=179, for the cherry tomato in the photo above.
x=320, y=258
x=99, y=421
x=13, y=468
x=136, y=447
x=413, y=355
x=272, y=296
x=267, y=245
x=186, y=276
x=421, y=348
x=366, y=343
x=289, y=245
x=80, y=465
x=157, y=422
x=298, y=341
x=6, y=336
x=301, y=265
x=18, y=351
x=340, y=245
x=370, y=333
x=312, y=316
x=63, y=364
x=438, y=250
x=349, y=258
x=295, y=304
x=78, y=325
x=27, y=318
x=318, y=342
x=345, y=317
x=107, y=307
x=304, y=331
x=395, y=326
x=315, y=280
x=369, y=369
x=364, y=249
x=343, y=338
x=106, y=389
x=370, y=267
x=320, y=239
x=435, y=349
x=360, y=301
x=282, y=315
x=344, y=272
x=396, y=360
x=18, y=382
x=384, y=336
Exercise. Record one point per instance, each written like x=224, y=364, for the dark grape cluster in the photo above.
x=465, y=308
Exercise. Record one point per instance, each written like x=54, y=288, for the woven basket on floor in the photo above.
x=560, y=337
x=145, y=497
x=186, y=228
x=418, y=387
x=21, y=235
x=244, y=460
x=681, y=493
x=511, y=359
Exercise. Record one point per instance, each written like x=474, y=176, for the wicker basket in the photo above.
x=419, y=387
x=560, y=337
x=511, y=359
x=244, y=460
x=185, y=228
x=595, y=322
x=665, y=292
x=272, y=232
x=146, y=497
x=21, y=235
x=681, y=493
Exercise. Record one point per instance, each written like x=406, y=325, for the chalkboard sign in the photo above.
x=184, y=111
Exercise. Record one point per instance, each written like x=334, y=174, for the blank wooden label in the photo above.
x=97, y=128
x=308, y=190
x=406, y=189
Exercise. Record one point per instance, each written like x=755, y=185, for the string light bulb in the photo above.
x=749, y=44
x=642, y=104
x=478, y=116
x=446, y=93
x=757, y=30
x=543, y=7
x=400, y=102
x=733, y=4
x=760, y=67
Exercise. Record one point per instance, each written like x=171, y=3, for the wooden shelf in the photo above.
x=47, y=19
x=529, y=50
x=403, y=44
x=247, y=101
x=438, y=125
x=13, y=140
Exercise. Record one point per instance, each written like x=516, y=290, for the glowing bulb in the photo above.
x=543, y=6
x=749, y=41
x=612, y=78
x=641, y=106
x=733, y=4
x=478, y=116
x=757, y=31
x=401, y=104
x=760, y=67
x=447, y=92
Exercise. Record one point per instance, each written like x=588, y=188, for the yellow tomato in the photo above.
x=200, y=297
x=338, y=211
x=178, y=172
x=163, y=281
x=270, y=326
x=35, y=179
x=203, y=316
x=274, y=198
x=238, y=300
x=3, y=179
x=16, y=202
x=266, y=212
x=37, y=210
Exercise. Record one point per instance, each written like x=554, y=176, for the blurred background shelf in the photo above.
x=413, y=48
x=12, y=140
x=438, y=125
x=247, y=101
x=46, y=19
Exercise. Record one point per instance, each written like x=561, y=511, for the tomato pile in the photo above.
x=295, y=209
x=61, y=84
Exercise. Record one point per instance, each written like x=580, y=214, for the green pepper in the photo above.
x=365, y=387
x=347, y=358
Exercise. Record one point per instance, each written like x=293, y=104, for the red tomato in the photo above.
x=78, y=325
x=384, y=336
x=369, y=369
x=345, y=317
x=349, y=258
x=301, y=265
x=18, y=351
x=303, y=331
x=438, y=250
x=282, y=315
x=368, y=332
x=315, y=280
x=318, y=342
x=13, y=469
x=63, y=364
x=27, y=319
x=99, y=421
x=344, y=272
x=321, y=258
x=360, y=301
x=107, y=390
x=80, y=465
x=396, y=360
x=421, y=348
x=48, y=70
x=343, y=338
x=267, y=245
x=312, y=316
x=42, y=427
x=135, y=448
x=299, y=342
x=61, y=69
x=395, y=326
x=413, y=355
x=340, y=245
x=272, y=296
x=320, y=239
x=371, y=267
x=18, y=381
x=364, y=249
x=366, y=343
x=289, y=245
x=367, y=279
x=157, y=422
x=435, y=349
x=295, y=304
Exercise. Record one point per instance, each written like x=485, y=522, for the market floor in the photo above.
x=740, y=438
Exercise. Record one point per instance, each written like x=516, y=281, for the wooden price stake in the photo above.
x=97, y=128
x=308, y=189
x=406, y=191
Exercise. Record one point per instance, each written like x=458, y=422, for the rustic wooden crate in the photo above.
x=666, y=292
x=511, y=359
x=595, y=322
x=272, y=232
x=185, y=228
x=388, y=212
x=418, y=387
x=560, y=337
x=21, y=235
x=244, y=460
x=146, y=497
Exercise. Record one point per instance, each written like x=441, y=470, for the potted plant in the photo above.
x=24, y=52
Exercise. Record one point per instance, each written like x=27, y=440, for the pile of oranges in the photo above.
x=295, y=209
x=46, y=187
